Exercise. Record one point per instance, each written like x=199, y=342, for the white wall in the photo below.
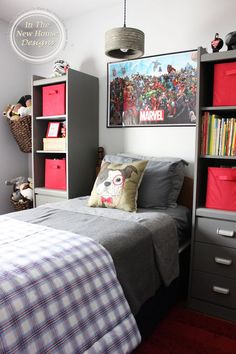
x=14, y=84
x=169, y=26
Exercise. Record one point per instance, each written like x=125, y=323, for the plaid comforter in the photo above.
x=59, y=294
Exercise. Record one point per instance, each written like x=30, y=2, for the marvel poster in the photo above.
x=153, y=91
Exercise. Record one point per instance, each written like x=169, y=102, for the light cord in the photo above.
x=124, y=13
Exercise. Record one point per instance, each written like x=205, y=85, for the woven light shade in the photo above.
x=124, y=43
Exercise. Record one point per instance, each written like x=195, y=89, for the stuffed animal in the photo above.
x=60, y=68
x=22, y=189
x=230, y=40
x=217, y=43
x=9, y=112
x=21, y=109
x=26, y=190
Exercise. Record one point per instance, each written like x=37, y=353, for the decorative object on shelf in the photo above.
x=54, y=144
x=19, y=119
x=53, y=130
x=22, y=195
x=55, y=137
x=217, y=43
x=230, y=40
x=60, y=68
x=124, y=42
x=63, y=130
x=139, y=94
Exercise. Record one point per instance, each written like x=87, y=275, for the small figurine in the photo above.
x=217, y=43
x=63, y=130
x=60, y=68
x=230, y=40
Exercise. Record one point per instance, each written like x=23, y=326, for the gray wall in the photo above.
x=169, y=26
x=15, y=82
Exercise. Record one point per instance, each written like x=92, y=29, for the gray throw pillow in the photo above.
x=162, y=180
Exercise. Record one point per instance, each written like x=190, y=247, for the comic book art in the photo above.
x=153, y=91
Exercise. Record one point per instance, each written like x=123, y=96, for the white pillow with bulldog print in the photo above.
x=117, y=185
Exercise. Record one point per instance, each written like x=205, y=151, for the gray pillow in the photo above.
x=162, y=180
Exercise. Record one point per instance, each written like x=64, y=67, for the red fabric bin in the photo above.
x=54, y=100
x=55, y=173
x=221, y=188
x=224, y=92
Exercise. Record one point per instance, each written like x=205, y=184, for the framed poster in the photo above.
x=157, y=90
x=53, y=130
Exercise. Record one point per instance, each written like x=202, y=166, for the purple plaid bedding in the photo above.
x=59, y=294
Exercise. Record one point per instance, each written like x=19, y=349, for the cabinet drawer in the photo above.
x=219, y=232
x=215, y=259
x=214, y=289
x=43, y=199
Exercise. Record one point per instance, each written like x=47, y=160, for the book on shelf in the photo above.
x=218, y=135
x=212, y=135
x=218, y=130
x=233, y=148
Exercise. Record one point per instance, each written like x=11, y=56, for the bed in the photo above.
x=74, y=278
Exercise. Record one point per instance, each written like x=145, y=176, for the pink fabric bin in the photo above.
x=55, y=174
x=54, y=100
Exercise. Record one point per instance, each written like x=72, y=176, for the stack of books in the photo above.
x=218, y=135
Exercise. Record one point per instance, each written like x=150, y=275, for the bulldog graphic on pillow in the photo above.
x=117, y=185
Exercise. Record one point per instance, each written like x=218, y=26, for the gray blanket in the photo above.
x=143, y=245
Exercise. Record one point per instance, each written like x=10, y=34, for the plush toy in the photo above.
x=9, y=112
x=21, y=109
x=217, y=43
x=230, y=40
x=60, y=68
x=26, y=190
x=22, y=189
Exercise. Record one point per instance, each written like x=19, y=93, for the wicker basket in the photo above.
x=21, y=130
x=27, y=204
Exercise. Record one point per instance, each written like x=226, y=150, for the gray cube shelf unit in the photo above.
x=81, y=120
x=212, y=287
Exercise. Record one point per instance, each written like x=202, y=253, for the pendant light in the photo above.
x=124, y=42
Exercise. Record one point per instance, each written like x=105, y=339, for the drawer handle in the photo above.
x=54, y=92
x=227, y=233
x=230, y=72
x=227, y=178
x=223, y=261
x=220, y=290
